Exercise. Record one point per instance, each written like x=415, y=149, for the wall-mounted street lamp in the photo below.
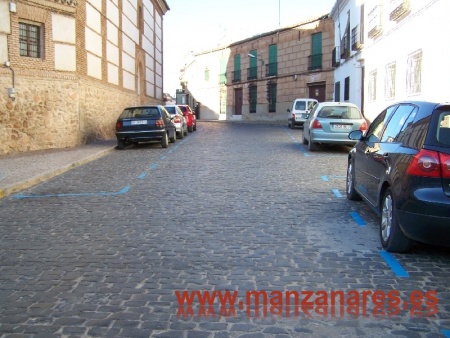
x=260, y=59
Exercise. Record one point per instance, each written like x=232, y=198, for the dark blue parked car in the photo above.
x=401, y=167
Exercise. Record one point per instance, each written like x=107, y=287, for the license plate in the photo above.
x=342, y=127
x=133, y=123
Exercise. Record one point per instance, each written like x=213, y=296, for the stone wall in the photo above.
x=52, y=110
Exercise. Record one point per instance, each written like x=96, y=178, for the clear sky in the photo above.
x=196, y=25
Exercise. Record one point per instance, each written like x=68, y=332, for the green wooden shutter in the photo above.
x=273, y=60
x=316, y=48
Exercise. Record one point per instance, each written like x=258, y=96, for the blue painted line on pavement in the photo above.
x=100, y=193
x=154, y=166
x=324, y=178
x=163, y=157
x=394, y=264
x=446, y=333
x=141, y=176
x=357, y=218
x=170, y=151
x=336, y=193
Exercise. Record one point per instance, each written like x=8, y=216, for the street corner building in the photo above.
x=69, y=67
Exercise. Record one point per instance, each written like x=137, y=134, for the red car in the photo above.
x=190, y=117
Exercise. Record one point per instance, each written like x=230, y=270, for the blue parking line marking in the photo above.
x=336, y=193
x=100, y=193
x=446, y=333
x=324, y=178
x=357, y=218
x=141, y=176
x=170, y=151
x=154, y=166
x=394, y=264
x=163, y=157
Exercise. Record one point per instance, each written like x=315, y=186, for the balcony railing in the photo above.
x=315, y=62
x=252, y=73
x=375, y=23
x=398, y=9
x=272, y=69
x=236, y=76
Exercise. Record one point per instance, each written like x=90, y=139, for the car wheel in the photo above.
x=392, y=237
x=120, y=144
x=350, y=184
x=165, y=141
x=190, y=129
x=174, y=137
x=181, y=134
x=312, y=146
x=195, y=127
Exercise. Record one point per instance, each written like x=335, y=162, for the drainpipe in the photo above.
x=12, y=90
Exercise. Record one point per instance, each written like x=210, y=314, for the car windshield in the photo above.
x=144, y=112
x=443, y=134
x=340, y=112
x=171, y=110
x=183, y=109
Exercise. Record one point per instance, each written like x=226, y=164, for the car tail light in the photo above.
x=445, y=165
x=426, y=163
x=119, y=124
x=177, y=119
x=316, y=124
x=160, y=123
x=363, y=126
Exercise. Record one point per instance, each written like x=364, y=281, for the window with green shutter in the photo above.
x=315, y=60
x=223, y=72
x=252, y=73
x=272, y=67
x=237, y=68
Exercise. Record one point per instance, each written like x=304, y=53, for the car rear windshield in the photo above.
x=300, y=105
x=340, y=112
x=443, y=133
x=171, y=110
x=144, y=112
x=183, y=108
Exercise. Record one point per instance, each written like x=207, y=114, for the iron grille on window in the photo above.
x=315, y=62
x=236, y=76
x=252, y=98
x=272, y=97
x=372, y=87
x=252, y=73
x=390, y=80
x=356, y=38
x=414, y=73
x=272, y=69
x=30, y=40
x=335, y=57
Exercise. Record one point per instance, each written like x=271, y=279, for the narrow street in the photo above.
x=242, y=209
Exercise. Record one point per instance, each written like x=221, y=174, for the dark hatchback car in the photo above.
x=145, y=124
x=401, y=167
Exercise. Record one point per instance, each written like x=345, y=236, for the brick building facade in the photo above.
x=67, y=68
x=259, y=77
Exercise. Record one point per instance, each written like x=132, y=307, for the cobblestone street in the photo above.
x=103, y=249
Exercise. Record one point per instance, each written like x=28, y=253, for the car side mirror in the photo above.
x=356, y=135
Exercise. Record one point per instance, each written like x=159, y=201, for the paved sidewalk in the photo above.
x=21, y=171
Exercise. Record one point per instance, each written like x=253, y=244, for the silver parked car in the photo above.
x=330, y=123
x=178, y=120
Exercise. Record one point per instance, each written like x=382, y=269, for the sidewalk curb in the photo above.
x=49, y=174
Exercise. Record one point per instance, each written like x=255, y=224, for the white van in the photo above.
x=299, y=111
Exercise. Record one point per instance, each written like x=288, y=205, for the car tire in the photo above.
x=350, y=183
x=120, y=144
x=195, y=127
x=181, y=134
x=391, y=235
x=312, y=146
x=174, y=137
x=165, y=141
x=190, y=129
